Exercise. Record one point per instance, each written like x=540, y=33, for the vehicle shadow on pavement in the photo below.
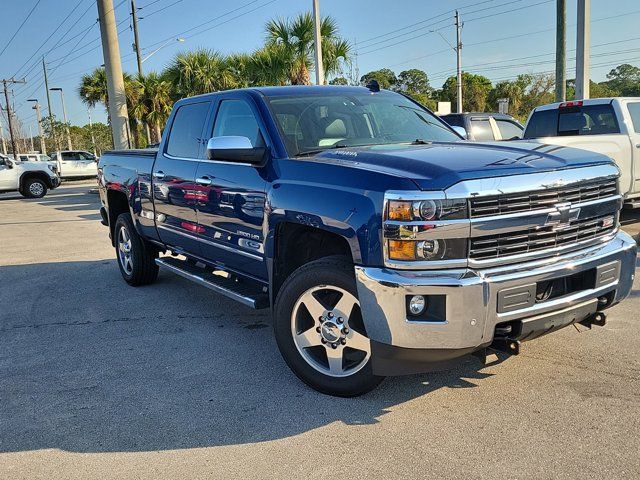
x=88, y=364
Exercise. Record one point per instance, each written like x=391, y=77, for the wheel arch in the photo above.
x=296, y=244
x=34, y=174
x=117, y=204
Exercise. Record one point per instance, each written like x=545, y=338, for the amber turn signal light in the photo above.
x=402, y=250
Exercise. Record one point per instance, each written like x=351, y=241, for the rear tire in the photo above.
x=319, y=330
x=34, y=188
x=136, y=258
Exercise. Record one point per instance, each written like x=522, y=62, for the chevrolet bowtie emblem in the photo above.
x=563, y=216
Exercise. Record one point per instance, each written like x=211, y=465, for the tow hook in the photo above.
x=599, y=319
x=506, y=345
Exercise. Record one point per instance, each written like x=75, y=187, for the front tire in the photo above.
x=319, y=329
x=136, y=258
x=34, y=188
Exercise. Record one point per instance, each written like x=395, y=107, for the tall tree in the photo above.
x=414, y=81
x=625, y=79
x=198, y=72
x=385, y=78
x=475, y=91
x=295, y=39
x=155, y=102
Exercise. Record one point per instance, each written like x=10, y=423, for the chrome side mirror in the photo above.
x=235, y=149
x=460, y=131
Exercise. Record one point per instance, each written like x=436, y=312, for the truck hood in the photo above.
x=34, y=166
x=437, y=166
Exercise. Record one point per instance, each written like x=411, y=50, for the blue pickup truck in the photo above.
x=383, y=243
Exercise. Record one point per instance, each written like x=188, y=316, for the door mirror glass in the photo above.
x=235, y=149
x=8, y=163
x=460, y=131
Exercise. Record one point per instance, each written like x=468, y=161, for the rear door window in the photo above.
x=634, y=111
x=185, y=136
x=508, y=130
x=481, y=129
x=587, y=120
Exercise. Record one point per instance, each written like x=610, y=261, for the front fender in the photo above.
x=352, y=214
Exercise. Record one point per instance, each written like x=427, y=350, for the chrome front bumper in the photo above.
x=471, y=296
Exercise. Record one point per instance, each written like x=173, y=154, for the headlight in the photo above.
x=411, y=250
x=427, y=210
x=52, y=168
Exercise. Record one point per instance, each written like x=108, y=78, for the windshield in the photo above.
x=312, y=123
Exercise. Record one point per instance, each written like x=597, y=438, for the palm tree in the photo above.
x=269, y=65
x=296, y=38
x=198, y=72
x=93, y=88
x=154, y=105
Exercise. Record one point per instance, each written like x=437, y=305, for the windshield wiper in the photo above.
x=419, y=141
x=320, y=150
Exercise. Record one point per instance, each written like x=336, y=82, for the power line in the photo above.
x=49, y=37
x=20, y=27
x=147, y=15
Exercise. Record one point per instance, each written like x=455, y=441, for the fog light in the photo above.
x=417, y=304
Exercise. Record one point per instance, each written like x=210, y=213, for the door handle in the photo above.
x=159, y=174
x=204, y=181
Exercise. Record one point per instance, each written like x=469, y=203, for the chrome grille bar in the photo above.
x=535, y=200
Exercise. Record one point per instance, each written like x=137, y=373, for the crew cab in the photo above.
x=610, y=126
x=31, y=179
x=382, y=242
x=75, y=164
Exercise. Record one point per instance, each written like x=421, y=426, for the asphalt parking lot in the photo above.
x=100, y=380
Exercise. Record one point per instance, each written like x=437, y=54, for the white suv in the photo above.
x=31, y=179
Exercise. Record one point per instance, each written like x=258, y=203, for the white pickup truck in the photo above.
x=605, y=125
x=31, y=179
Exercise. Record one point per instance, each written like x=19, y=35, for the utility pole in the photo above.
x=64, y=115
x=93, y=140
x=113, y=69
x=136, y=48
x=51, y=121
x=14, y=145
x=561, y=50
x=31, y=139
x=318, y=44
x=136, y=39
x=582, y=49
x=36, y=107
x=4, y=142
x=459, y=62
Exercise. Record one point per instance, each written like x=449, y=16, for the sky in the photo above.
x=501, y=38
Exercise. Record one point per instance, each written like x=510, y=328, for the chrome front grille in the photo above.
x=540, y=199
x=541, y=238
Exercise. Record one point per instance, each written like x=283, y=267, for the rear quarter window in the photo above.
x=543, y=123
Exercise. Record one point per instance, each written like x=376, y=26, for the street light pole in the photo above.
x=318, y=43
x=582, y=50
x=64, y=115
x=36, y=107
x=51, y=121
x=161, y=47
x=93, y=140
